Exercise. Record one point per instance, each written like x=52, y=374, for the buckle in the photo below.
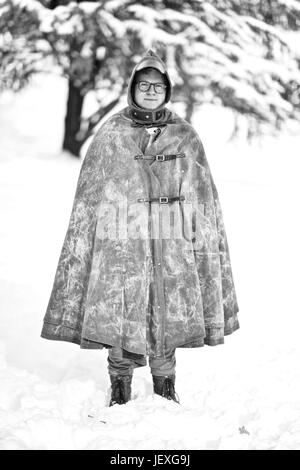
x=160, y=157
x=163, y=200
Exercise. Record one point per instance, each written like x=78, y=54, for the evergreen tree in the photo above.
x=225, y=51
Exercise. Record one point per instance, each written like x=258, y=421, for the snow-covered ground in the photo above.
x=241, y=395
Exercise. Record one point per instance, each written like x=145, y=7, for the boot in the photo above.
x=165, y=386
x=120, y=389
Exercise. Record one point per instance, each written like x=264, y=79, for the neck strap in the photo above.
x=147, y=116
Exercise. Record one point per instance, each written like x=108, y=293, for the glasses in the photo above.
x=145, y=86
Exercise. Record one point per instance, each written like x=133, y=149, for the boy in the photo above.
x=145, y=265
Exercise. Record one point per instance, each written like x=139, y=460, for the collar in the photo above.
x=147, y=116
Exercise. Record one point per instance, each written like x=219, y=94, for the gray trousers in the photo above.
x=121, y=362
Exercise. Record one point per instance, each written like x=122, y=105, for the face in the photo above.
x=149, y=99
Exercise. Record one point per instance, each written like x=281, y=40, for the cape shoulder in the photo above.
x=121, y=118
x=120, y=121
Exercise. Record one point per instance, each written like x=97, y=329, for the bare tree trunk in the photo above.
x=73, y=120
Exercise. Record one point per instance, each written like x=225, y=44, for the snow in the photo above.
x=146, y=14
x=147, y=33
x=249, y=79
x=232, y=22
x=241, y=395
x=290, y=4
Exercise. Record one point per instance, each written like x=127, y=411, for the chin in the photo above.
x=151, y=105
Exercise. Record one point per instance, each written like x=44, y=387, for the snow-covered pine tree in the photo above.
x=90, y=44
x=238, y=54
x=21, y=49
x=224, y=51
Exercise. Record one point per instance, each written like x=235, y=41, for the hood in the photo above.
x=149, y=59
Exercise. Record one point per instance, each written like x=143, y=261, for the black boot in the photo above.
x=120, y=389
x=165, y=386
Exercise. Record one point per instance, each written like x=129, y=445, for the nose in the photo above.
x=152, y=89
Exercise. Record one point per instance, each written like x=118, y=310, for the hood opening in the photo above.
x=152, y=60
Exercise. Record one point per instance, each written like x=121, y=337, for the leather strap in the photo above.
x=147, y=116
x=159, y=157
x=162, y=199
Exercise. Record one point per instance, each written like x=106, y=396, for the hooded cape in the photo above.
x=135, y=271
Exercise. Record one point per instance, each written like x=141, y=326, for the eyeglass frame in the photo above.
x=154, y=86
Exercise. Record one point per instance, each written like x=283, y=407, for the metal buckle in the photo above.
x=160, y=157
x=163, y=200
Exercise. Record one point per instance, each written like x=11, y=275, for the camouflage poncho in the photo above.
x=144, y=276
